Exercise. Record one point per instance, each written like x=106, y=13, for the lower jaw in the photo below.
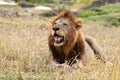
x=58, y=44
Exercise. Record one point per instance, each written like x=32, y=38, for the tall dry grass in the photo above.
x=24, y=53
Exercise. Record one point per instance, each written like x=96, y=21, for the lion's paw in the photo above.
x=78, y=65
x=109, y=64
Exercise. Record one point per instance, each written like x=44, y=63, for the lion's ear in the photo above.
x=78, y=24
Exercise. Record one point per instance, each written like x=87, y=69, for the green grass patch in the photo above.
x=107, y=15
x=46, y=73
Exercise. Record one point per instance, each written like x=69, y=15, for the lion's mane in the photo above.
x=75, y=45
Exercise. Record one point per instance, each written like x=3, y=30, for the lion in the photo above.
x=68, y=44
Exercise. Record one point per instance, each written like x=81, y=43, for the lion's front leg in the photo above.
x=53, y=63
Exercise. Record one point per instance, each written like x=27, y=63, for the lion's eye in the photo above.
x=64, y=24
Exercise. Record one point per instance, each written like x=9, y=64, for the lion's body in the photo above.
x=67, y=42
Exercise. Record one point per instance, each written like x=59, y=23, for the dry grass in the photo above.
x=24, y=53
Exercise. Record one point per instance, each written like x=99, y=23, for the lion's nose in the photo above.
x=55, y=28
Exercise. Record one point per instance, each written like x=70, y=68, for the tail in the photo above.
x=96, y=48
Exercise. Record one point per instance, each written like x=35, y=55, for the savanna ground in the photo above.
x=24, y=53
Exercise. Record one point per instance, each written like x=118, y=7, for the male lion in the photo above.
x=68, y=44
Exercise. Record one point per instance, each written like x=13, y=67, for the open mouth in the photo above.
x=58, y=39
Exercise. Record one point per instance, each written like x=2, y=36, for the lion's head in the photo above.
x=65, y=29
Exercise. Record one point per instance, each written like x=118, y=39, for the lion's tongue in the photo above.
x=58, y=38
